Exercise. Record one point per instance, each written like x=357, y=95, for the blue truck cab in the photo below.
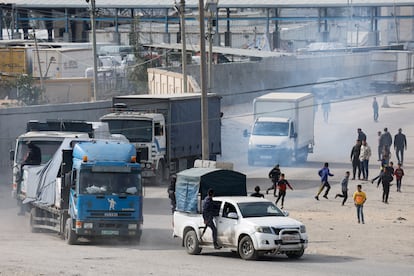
x=105, y=191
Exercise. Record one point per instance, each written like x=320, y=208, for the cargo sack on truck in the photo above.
x=193, y=184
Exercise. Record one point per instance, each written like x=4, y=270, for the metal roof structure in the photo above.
x=161, y=4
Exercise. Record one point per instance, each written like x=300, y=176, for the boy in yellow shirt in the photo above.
x=359, y=199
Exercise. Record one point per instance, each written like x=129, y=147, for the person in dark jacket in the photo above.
x=386, y=139
x=386, y=179
x=257, y=192
x=274, y=175
x=361, y=135
x=33, y=156
x=400, y=144
x=209, y=212
x=356, y=149
x=171, y=193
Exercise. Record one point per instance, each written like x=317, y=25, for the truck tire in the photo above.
x=295, y=254
x=33, y=214
x=191, y=243
x=246, y=249
x=70, y=235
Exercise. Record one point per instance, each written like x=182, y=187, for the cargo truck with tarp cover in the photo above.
x=47, y=137
x=166, y=130
x=88, y=189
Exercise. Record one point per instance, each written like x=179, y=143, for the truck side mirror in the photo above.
x=294, y=135
x=11, y=153
x=246, y=133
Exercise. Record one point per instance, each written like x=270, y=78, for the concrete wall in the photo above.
x=13, y=123
x=161, y=81
x=67, y=90
x=241, y=82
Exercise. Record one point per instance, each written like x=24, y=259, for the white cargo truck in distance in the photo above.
x=283, y=129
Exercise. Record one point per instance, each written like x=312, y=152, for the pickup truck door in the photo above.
x=226, y=225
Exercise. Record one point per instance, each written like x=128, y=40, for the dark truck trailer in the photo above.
x=176, y=130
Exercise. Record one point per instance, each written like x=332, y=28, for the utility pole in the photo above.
x=95, y=64
x=204, y=106
x=183, y=46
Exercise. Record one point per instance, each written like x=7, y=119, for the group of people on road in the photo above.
x=360, y=156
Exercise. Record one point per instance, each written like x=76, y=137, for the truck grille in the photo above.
x=109, y=215
x=142, y=154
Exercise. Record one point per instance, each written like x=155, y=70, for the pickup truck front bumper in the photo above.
x=283, y=242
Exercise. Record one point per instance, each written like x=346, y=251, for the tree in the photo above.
x=27, y=90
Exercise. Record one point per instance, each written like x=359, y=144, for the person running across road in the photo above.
x=344, y=186
x=324, y=173
x=359, y=199
x=282, y=185
x=274, y=175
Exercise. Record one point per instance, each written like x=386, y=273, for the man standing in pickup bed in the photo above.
x=209, y=212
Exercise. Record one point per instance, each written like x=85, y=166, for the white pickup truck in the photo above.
x=248, y=225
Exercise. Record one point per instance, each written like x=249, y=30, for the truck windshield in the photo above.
x=109, y=183
x=47, y=150
x=259, y=209
x=271, y=129
x=134, y=130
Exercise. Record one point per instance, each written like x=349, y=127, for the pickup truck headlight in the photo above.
x=264, y=229
x=88, y=225
x=303, y=229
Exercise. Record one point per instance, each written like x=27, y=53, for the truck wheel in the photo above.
x=295, y=254
x=33, y=215
x=191, y=243
x=246, y=249
x=70, y=235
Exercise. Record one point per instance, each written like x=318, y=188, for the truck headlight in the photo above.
x=132, y=226
x=88, y=225
x=303, y=228
x=263, y=229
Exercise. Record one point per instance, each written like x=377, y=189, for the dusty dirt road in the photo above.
x=338, y=244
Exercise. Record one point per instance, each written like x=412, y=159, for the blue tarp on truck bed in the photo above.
x=195, y=181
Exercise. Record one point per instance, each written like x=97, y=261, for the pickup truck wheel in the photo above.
x=296, y=254
x=70, y=235
x=191, y=243
x=246, y=249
